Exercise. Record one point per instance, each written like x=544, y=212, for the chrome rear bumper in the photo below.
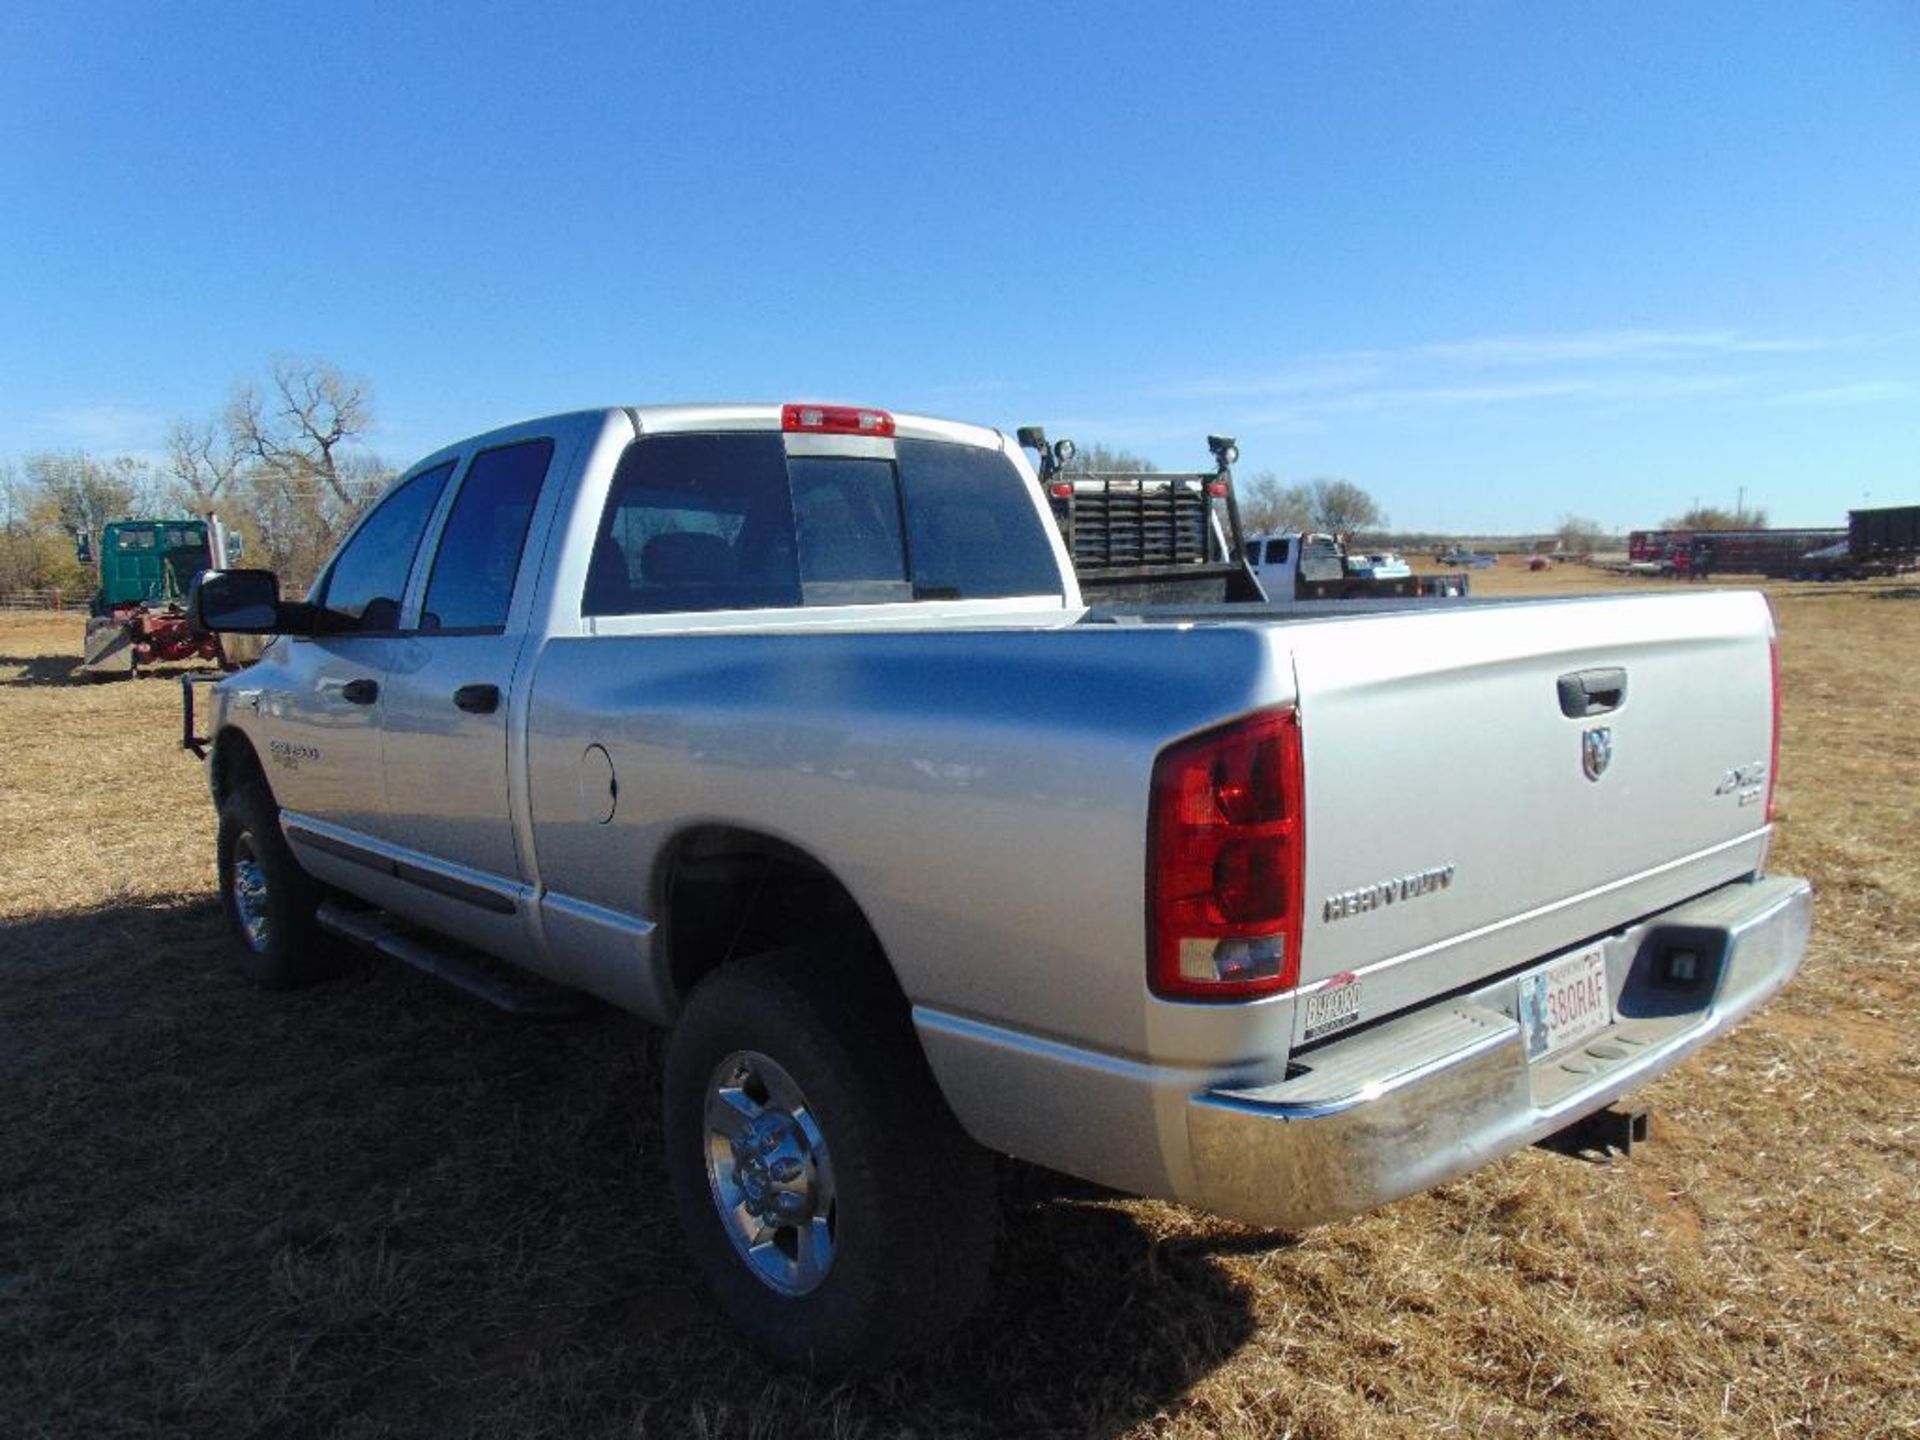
x=1442, y=1090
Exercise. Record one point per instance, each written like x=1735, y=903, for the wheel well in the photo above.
x=726, y=893
x=234, y=763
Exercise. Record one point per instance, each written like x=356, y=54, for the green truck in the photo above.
x=138, y=615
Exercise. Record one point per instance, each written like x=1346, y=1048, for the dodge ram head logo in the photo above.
x=1596, y=751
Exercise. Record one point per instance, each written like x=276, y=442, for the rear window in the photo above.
x=974, y=532
x=728, y=522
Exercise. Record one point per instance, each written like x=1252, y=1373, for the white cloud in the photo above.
x=1609, y=345
x=1858, y=392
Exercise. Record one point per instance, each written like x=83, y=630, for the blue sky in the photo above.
x=1497, y=263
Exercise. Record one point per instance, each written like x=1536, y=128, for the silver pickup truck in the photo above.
x=786, y=726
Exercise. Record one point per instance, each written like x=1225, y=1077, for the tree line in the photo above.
x=285, y=463
x=1333, y=506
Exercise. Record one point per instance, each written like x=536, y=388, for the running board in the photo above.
x=474, y=975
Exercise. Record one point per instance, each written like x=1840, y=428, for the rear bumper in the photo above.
x=1440, y=1091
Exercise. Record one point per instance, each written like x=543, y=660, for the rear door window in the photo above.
x=479, y=553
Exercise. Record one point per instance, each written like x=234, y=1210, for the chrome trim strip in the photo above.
x=601, y=915
x=456, y=882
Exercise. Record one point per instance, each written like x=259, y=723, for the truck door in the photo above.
x=320, y=697
x=446, y=723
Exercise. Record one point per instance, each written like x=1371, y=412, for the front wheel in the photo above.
x=269, y=900
x=836, y=1209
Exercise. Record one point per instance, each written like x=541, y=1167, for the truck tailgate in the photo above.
x=1464, y=816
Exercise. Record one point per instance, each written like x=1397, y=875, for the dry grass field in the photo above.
x=375, y=1209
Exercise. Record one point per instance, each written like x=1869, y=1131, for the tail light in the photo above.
x=1226, y=864
x=1773, y=756
x=835, y=420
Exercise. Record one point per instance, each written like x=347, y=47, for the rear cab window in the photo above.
x=730, y=521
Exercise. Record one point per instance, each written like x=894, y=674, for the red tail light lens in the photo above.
x=1773, y=757
x=1061, y=491
x=1225, y=868
x=835, y=420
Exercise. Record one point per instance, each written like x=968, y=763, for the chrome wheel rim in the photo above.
x=250, y=894
x=770, y=1174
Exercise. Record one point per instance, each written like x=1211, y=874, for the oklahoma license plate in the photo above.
x=1565, y=1003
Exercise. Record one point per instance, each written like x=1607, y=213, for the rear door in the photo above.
x=1485, y=787
x=450, y=678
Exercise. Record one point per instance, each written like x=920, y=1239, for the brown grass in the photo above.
x=375, y=1210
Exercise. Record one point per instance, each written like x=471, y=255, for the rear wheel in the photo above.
x=270, y=901
x=838, y=1212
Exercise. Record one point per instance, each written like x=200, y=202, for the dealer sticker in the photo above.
x=1333, y=1009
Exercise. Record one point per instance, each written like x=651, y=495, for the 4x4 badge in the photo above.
x=1596, y=751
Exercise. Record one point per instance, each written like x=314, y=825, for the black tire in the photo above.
x=269, y=900
x=914, y=1204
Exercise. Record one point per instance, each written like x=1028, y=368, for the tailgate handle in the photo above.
x=1592, y=692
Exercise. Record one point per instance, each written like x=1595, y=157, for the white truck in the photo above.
x=787, y=726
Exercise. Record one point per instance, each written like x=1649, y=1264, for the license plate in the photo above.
x=1565, y=1003
x=1333, y=1009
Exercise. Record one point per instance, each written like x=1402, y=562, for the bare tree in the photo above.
x=204, y=462
x=1341, y=507
x=1713, y=517
x=304, y=427
x=287, y=462
x=1578, y=535
x=1095, y=458
x=1267, y=507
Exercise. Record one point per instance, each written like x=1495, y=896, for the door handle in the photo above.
x=1592, y=692
x=360, y=692
x=478, y=699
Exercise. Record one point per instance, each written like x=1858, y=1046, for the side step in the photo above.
x=477, y=975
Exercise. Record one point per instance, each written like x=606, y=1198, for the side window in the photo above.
x=696, y=522
x=367, y=578
x=975, y=532
x=479, y=554
x=1277, y=551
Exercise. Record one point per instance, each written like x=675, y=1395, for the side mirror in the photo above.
x=83, y=547
x=240, y=602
